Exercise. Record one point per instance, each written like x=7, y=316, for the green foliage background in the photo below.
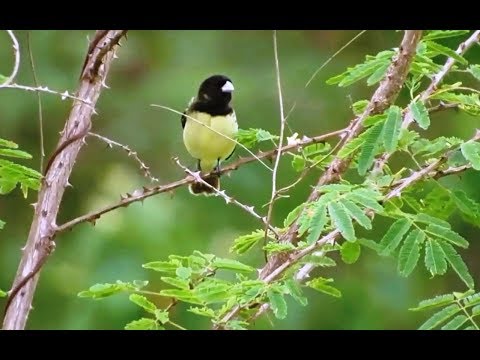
x=166, y=67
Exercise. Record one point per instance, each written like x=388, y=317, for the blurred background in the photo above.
x=166, y=67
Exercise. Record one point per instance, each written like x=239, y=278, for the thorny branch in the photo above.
x=144, y=193
x=143, y=167
x=43, y=229
x=437, y=79
x=383, y=97
x=433, y=171
x=228, y=199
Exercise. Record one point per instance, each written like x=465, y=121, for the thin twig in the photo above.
x=143, y=167
x=16, y=51
x=39, y=101
x=144, y=193
x=45, y=89
x=228, y=199
x=282, y=130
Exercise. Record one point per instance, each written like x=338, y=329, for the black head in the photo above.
x=216, y=91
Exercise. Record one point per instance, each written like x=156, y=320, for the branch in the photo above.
x=16, y=51
x=433, y=171
x=383, y=97
x=437, y=79
x=43, y=229
x=228, y=199
x=144, y=193
x=143, y=167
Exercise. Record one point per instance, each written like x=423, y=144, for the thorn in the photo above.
x=68, y=184
x=122, y=197
x=145, y=189
x=34, y=205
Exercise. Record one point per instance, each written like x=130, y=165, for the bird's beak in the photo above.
x=228, y=87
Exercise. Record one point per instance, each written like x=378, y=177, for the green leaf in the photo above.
x=291, y=217
x=410, y=252
x=434, y=258
x=161, y=315
x=391, y=129
x=321, y=284
x=229, y=264
x=350, y=252
x=369, y=149
x=2, y=224
x=142, y=301
x=236, y=325
x=371, y=245
x=394, y=236
x=472, y=300
x=437, y=301
x=373, y=120
x=275, y=247
x=365, y=199
x=476, y=310
x=359, y=107
x=317, y=224
x=244, y=243
x=378, y=74
x=427, y=219
x=212, y=291
x=447, y=234
x=471, y=151
x=360, y=71
x=15, y=153
x=183, y=272
x=475, y=71
x=465, y=204
x=341, y=220
x=143, y=324
x=3, y=79
x=420, y=114
x=139, y=284
x=455, y=323
x=182, y=295
x=99, y=291
x=278, y=304
x=249, y=138
x=161, y=266
x=296, y=292
x=334, y=187
x=440, y=317
x=179, y=283
x=205, y=311
x=3, y=293
x=443, y=50
x=442, y=34
x=456, y=262
x=322, y=261
x=357, y=213
x=8, y=144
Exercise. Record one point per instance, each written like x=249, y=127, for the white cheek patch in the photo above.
x=228, y=87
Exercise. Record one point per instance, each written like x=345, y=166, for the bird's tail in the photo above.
x=198, y=188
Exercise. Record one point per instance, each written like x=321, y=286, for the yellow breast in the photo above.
x=210, y=137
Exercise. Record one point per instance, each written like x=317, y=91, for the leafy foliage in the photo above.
x=458, y=311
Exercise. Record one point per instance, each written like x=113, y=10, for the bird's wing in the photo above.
x=183, y=119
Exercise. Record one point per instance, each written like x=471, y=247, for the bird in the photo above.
x=210, y=126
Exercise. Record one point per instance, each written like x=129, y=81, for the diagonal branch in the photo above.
x=383, y=97
x=43, y=229
x=144, y=193
x=437, y=79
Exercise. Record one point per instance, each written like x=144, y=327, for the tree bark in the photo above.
x=43, y=229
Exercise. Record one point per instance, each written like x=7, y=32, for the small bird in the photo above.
x=210, y=137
